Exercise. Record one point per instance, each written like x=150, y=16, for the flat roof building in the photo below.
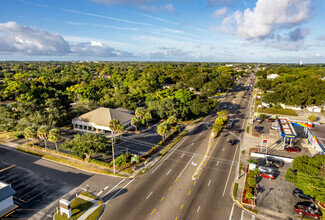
x=6, y=198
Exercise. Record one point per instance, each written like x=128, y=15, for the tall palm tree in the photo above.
x=42, y=133
x=55, y=136
x=31, y=133
x=135, y=122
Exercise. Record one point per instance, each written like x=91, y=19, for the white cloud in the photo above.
x=97, y=49
x=220, y=12
x=267, y=17
x=30, y=40
x=168, y=53
x=156, y=9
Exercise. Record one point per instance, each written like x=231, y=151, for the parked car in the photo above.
x=292, y=149
x=300, y=194
x=259, y=120
x=238, y=130
x=231, y=141
x=276, y=162
x=308, y=209
x=224, y=106
x=267, y=175
x=258, y=129
x=265, y=169
x=273, y=127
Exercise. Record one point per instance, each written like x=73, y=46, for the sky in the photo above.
x=269, y=31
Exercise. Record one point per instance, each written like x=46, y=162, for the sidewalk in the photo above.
x=96, y=204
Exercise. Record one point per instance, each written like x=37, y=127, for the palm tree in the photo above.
x=120, y=129
x=135, y=122
x=140, y=112
x=55, y=136
x=163, y=129
x=42, y=133
x=113, y=124
x=30, y=133
x=147, y=116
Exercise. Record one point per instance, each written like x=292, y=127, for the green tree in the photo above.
x=42, y=133
x=172, y=121
x=308, y=174
x=140, y=112
x=55, y=136
x=163, y=129
x=312, y=117
x=147, y=117
x=87, y=144
x=135, y=122
x=30, y=133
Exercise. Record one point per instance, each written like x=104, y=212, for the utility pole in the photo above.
x=112, y=140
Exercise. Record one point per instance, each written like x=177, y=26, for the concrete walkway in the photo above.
x=95, y=205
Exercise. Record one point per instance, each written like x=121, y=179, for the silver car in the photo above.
x=265, y=169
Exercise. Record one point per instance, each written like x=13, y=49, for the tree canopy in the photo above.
x=308, y=174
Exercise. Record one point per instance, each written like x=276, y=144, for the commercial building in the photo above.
x=6, y=199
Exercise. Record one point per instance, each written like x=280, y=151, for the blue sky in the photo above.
x=286, y=31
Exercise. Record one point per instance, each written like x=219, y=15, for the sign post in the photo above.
x=65, y=207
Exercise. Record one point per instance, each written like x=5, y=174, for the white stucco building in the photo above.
x=97, y=121
x=6, y=199
x=272, y=76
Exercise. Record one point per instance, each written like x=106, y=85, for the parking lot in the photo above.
x=33, y=192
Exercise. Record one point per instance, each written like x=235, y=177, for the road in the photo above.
x=168, y=191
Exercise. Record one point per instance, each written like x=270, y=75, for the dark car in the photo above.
x=274, y=161
x=238, y=130
x=300, y=194
x=308, y=209
x=270, y=120
x=292, y=149
x=231, y=142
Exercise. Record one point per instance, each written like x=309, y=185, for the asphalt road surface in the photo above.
x=168, y=191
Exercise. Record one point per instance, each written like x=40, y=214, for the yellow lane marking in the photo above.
x=194, y=183
x=162, y=199
x=23, y=188
x=21, y=200
x=153, y=211
x=170, y=188
x=176, y=179
x=182, y=206
x=176, y=218
x=206, y=154
x=9, y=213
x=189, y=193
x=7, y=168
x=199, y=174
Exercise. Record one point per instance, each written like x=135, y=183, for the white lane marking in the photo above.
x=198, y=209
x=223, y=149
x=100, y=192
x=253, y=217
x=209, y=183
x=193, y=143
x=186, y=166
x=232, y=210
x=224, y=191
x=242, y=214
x=182, y=156
x=217, y=163
x=119, y=191
x=157, y=167
x=149, y=195
x=114, y=187
x=106, y=188
x=169, y=171
x=200, y=134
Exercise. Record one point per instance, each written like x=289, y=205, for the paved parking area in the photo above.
x=33, y=192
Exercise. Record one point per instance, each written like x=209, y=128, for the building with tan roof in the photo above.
x=97, y=121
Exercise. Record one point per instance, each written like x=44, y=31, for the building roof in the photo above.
x=6, y=191
x=102, y=116
x=272, y=76
x=319, y=132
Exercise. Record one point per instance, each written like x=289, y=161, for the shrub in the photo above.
x=122, y=160
x=251, y=181
x=249, y=195
x=247, y=129
x=250, y=160
x=312, y=117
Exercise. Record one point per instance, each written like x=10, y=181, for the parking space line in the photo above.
x=149, y=195
x=232, y=210
x=36, y=196
x=169, y=171
x=242, y=214
x=7, y=168
x=28, y=193
x=22, y=188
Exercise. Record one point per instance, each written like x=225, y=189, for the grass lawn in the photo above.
x=84, y=193
x=274, y=111
x=95, y=214
x=78, y=207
